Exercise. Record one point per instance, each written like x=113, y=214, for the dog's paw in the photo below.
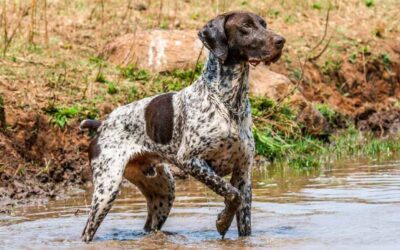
x=223, y=222
x=225, y=218
x=88, y=233
x=86, y=237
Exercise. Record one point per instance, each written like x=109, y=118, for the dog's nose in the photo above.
x=279, y=42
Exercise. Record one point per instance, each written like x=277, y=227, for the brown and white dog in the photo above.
x=205, y=130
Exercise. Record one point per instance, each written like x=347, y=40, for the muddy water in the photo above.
x=347, y=206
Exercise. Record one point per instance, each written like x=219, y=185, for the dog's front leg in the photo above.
x=241, y=179
x=201, y=170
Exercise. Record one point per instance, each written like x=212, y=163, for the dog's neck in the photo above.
x=230, y=82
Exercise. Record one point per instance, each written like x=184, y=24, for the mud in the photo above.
x=354, y=88
x=380, y=122
x=40, y=160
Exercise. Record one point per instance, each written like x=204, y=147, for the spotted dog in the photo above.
x=205, y=130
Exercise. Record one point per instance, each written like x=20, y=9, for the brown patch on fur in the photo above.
x=159, y=116
x=137, y=168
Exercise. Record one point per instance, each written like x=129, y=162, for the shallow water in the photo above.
x=351, y=206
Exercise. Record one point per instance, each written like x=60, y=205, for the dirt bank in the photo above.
x=39, y=160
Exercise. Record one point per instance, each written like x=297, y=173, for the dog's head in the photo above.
x=241, y=36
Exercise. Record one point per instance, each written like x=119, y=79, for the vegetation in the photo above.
x=60, y=116
x=280, y=138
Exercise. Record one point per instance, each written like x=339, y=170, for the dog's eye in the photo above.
x=244, y=30
x=263, y=23
x=246, y=25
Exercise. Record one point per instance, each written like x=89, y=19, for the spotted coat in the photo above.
x=205, y=130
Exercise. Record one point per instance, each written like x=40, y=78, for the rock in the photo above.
x=269, y=84
x=155, y=50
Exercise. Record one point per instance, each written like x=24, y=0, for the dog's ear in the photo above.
x=213, y=37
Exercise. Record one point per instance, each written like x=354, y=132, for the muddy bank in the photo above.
x=355, y=88
x=39, y=160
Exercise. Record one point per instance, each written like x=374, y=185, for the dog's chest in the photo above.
x=230, y=150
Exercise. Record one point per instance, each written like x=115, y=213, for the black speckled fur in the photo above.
x=204, y=129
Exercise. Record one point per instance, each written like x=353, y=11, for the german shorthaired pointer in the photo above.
x=205, y=130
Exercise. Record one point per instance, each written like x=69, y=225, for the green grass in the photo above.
x=386, y=60
x=101, y=78
x=316, y=6
x=331, y=66
x=133, y=74
x=353, y=58
x=111, y=88
x=369, y=3
x=61, y=116
x=281, y=140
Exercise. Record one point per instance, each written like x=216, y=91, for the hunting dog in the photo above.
x=204, y=130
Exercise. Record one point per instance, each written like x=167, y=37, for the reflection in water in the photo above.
x=350, y=206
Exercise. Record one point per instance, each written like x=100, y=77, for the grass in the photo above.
x=369, y=3
x=111, y=88
x=281, y=140
x=279, y=137
x=133, y=74
x=61, y=116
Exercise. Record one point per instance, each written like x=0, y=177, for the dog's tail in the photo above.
x=92, y=125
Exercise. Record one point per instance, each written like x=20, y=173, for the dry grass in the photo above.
x=48, y=44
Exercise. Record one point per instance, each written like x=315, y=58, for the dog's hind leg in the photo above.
x=108, y=166
x=157, y=184
x=160, y=198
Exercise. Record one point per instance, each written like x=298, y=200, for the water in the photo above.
x=350, y=206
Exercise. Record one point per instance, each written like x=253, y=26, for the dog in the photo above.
x=204, y=130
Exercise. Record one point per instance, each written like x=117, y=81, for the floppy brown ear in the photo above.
x=213, y=37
